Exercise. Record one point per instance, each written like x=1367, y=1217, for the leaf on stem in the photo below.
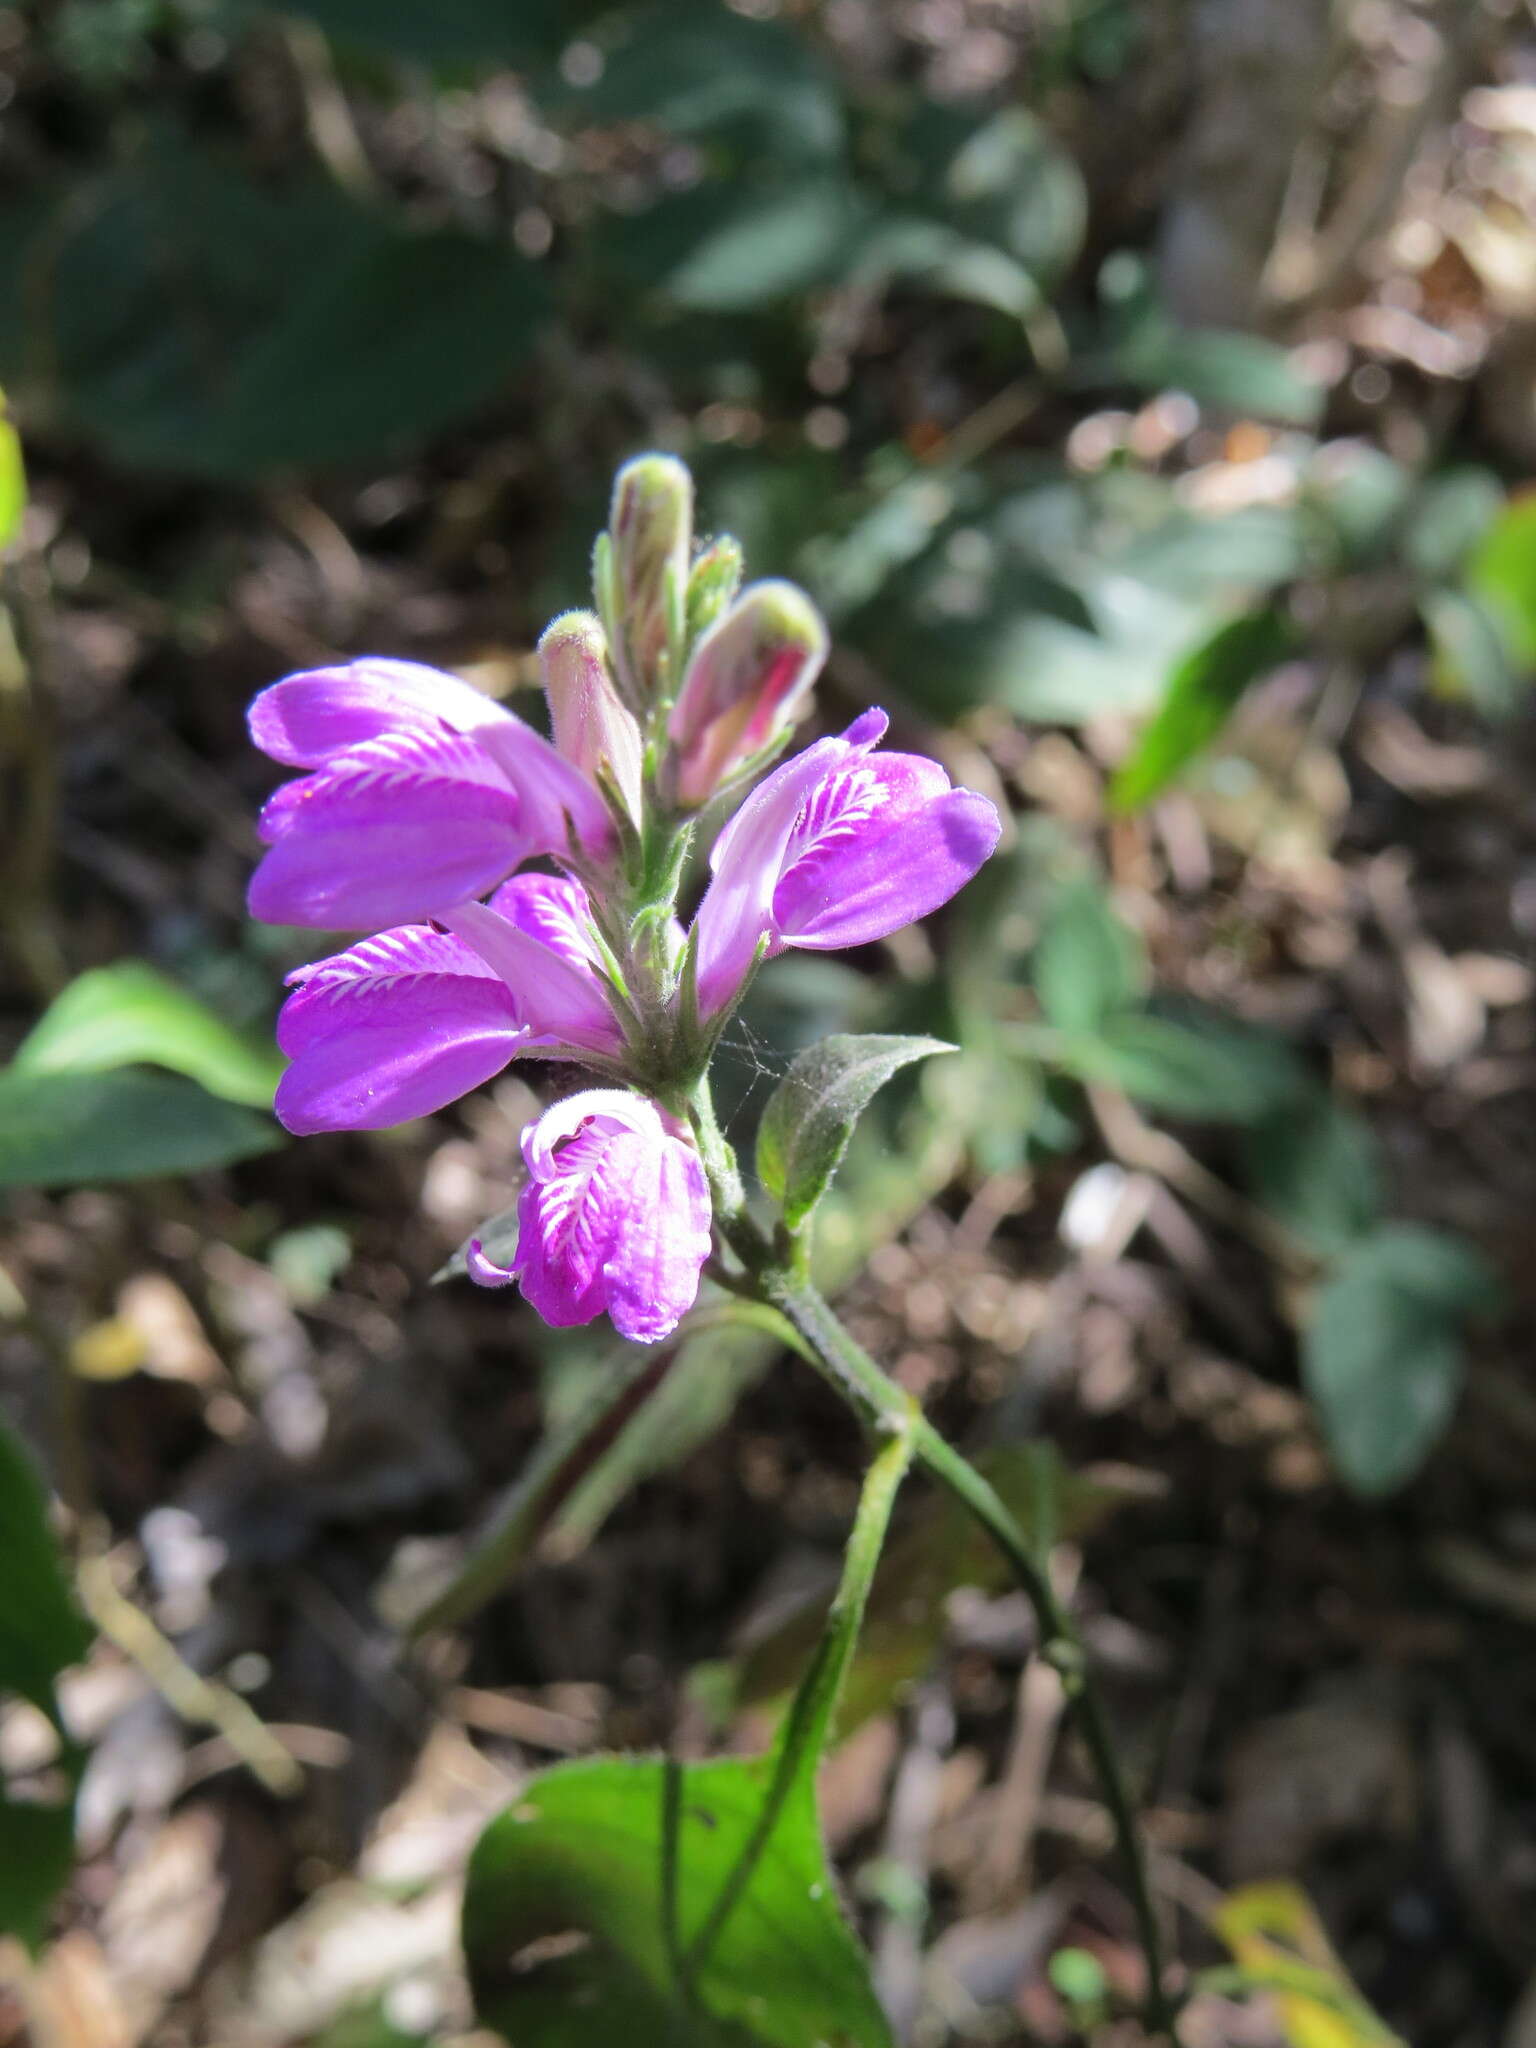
x=565, y=1927
x=810, y=1117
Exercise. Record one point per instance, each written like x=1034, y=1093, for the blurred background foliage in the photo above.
x=1146, y=389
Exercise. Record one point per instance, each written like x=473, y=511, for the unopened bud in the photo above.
x=592, y=728
x=650, y=534
x=741, y=688
x=713, y=582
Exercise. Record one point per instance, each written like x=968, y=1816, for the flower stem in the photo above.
x=809, y=1720
x=882, y=1403
x=782, y=1283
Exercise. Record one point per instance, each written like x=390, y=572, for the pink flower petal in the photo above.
x=391, y=1029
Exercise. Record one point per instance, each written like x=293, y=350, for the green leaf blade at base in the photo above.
x=565, y=1918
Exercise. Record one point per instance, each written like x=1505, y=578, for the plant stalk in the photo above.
x=808, y=1723
x=783, y=1284
x=880, y=1401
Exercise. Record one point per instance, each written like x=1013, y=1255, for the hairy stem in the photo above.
x=809, y=1720
x=876, y=1397
x=781, y=1281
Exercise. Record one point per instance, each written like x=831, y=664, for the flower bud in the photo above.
x=713, y=582
x=650, y=535
x=592, y=728
x=739, y=694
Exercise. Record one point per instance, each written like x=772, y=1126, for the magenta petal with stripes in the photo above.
x=839, y=846
x=307, y=719
x=393, y=830
x=423, y=795
x=615, y=1217
x=393, y=1028
x=884, y=841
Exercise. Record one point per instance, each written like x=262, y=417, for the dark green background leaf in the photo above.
x=41, y=1633
x=1383, y=1355
x=1315, y=1169
x=60, y=1129
x=157, y=331
x=1201, y=1067
x=1203, y=692
x=117, y=1016
x=1088, y=964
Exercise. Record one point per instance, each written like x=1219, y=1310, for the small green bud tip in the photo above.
x=652, y=502
x=742, y=686
x=712, y=584
x=651, y=528
x=592, y=728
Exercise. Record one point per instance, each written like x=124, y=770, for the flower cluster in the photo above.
x=422, y=804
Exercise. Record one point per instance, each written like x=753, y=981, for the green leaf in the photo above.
x=60, y=1129
x=811, y=1115
x=166, y=342
x=1360, y=495
x=40, y=1628
x=117, y=1016
x=13, y=480
x=1203, y=691
x=1382, y=1356
x=41, y=1633
x=769, y=247
x=451, y=31
x=1012, y=182
x=686, y=1903
x=1315, y=1169
x=1473, y=655
x=1088, y=964
x=756, y=88
x=1234, y=373
x=1502, y=572
x=404, y=334
x=1453, y=513
x=39, y=1854
x=565, y=1918
x=1203, y=1068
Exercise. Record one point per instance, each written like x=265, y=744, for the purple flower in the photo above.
x=423, y=795
x=411, y=1019
x=837, y=847
x=615, y=1216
